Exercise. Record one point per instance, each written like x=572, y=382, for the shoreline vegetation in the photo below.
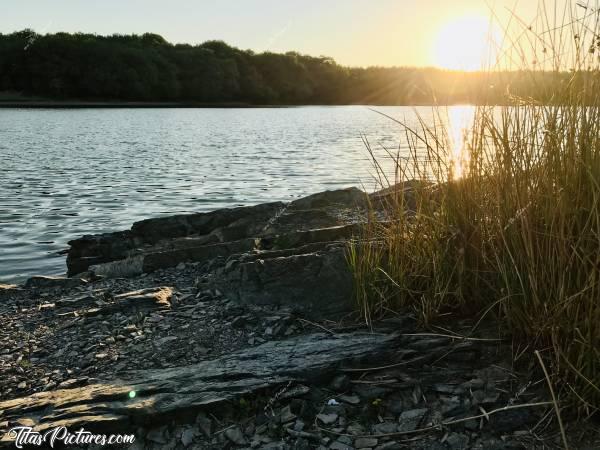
x=146, y=69
x=503, y=222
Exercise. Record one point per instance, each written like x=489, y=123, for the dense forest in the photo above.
x=79, y=66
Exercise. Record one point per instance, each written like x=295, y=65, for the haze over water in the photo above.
x=70, y=172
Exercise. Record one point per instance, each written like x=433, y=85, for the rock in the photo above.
x=399, y=194
x=164, y=242
x=451, y=405
x=286, y=415
x=355, y=429
x=318, y=284
x=350, y=399
x=385, y=428
x=297, y=239
x=410, y=420
x=204, y=424
x=337, y=445
x=158, y=435
x=122, y=268
x=187, y=436
x=6, y=287
x=235, y=435
x=254, y=217
x=327, y=419
x=350, y=197
x=159, y=297
x=365, y=442
x=457, y=441
x=171, y=258
x=75, y=301
x=163, y=394
x=45, y=282
x=340, y=383
x=392, y=445
x=104, y=248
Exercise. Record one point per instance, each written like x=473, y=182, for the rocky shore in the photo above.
x=237, y=329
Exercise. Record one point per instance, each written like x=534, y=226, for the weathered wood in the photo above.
x=172, y=393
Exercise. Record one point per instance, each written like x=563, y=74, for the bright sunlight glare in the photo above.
x=464, y=43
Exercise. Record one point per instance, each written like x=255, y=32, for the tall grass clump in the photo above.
x=503, y=220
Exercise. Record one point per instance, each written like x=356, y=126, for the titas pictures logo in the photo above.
x=59, y=436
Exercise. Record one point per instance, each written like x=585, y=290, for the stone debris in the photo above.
x=211, y=331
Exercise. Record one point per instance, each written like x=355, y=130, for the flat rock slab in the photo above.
x=316, y=284
x=46, y=282
x=172, y=393
x=150, y=298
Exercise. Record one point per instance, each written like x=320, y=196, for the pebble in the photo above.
x=365, y=442
x=327, y=419
x=235, y=435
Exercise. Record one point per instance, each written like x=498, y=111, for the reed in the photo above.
x=508, y=227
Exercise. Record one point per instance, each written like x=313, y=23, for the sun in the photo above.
x=464, y=43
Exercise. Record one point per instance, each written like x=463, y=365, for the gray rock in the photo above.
x=350, y=197
x=457, y=441
x=392, y=445
x=45, y=282
x=159, y=297
x=350, y=399
x=158, y=435
x=123, y=268
x=104, y=248
x=163, y=394
x=318, y=284
x=327, y=419
x=385, y=428
x=235, y=435
x=340, y=383
x=365, y=442
x=187, y=436
x=337, y=445
x=410, y=420
x=204, y=424
x=297, y=239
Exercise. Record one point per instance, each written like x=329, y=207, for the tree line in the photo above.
x=79, y=66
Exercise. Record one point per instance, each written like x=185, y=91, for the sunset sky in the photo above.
x=354, y=32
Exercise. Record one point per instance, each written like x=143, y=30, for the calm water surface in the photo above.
x=66, y=173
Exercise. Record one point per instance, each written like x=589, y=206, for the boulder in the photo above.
x=170, y=256
x=181, y=238
x=317, y=284
x=108, y=247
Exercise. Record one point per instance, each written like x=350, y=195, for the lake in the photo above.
x=70, y=172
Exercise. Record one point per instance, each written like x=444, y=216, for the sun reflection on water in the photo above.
x=459, y=125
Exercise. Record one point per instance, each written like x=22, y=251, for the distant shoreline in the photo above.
x=54, y=104
x=68, y=104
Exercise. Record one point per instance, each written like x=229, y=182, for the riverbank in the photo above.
x=237, y=328
x=58, y=104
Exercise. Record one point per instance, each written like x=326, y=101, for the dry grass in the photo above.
x=513, y=229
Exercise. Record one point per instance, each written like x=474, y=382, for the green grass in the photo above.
x=517, y=236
